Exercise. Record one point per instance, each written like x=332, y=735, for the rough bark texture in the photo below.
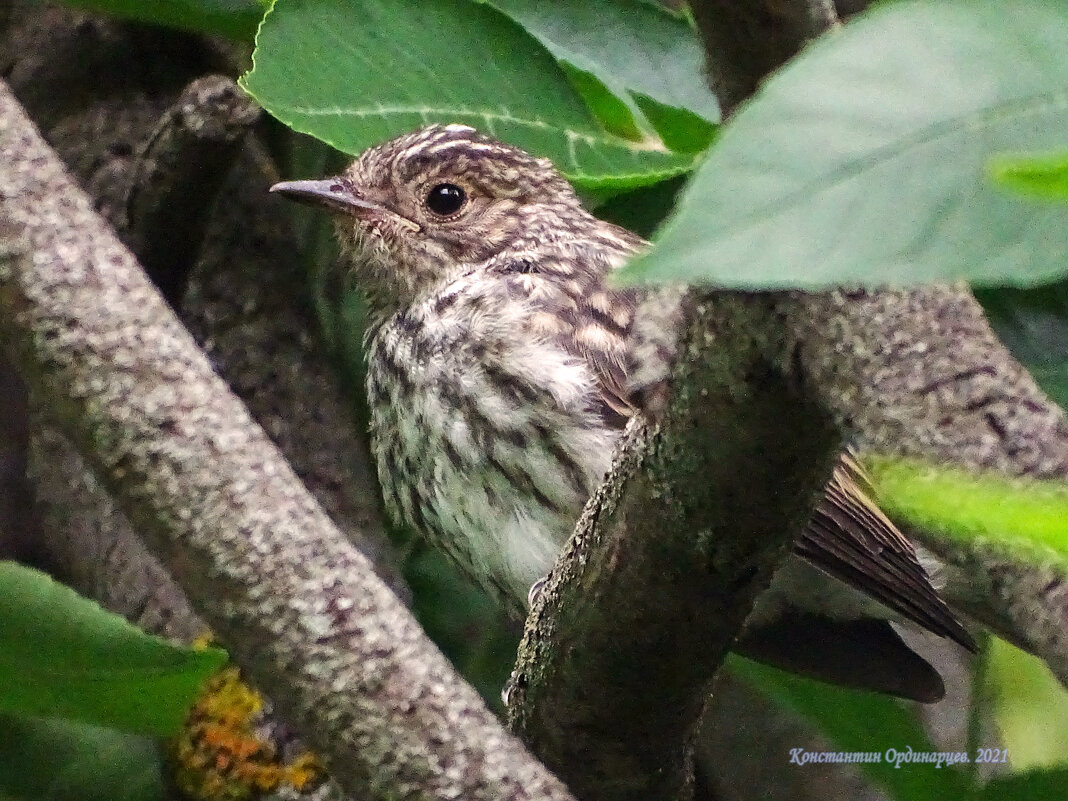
x=921, y=373
x=184, y=161
x=297, y=606
x=112, y=566
x=611, y=682
x=124, y=107
x=608, y=688
x=744, y=41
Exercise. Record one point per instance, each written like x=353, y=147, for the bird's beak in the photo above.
x=335, y=193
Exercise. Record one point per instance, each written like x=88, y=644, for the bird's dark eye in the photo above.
x=445, y=199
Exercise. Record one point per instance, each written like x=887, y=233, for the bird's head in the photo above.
x=427, y=207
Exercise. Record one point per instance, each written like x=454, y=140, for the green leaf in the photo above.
x=1023, y=516
x=61, y=655
x=648, y=57
x=864, y=160
x=1033, y=324
x=642, y=210
x=1043, y=176
x=356, y=72
x=1030, y=708
x=236, y=19
x=681, y=130
x=614, y=114
x=855, y=721
x=57, y=760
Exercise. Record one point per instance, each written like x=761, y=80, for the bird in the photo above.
x=503, y=366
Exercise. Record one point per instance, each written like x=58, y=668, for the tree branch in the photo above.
x=744, y=41
x=921, y=373
x=184, y=161
x=297, y=606
x=667, y=560
x=247, y=298
x=653, y=588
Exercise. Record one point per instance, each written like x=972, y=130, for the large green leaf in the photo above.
x=61, y=655
x=356, y=72
x=234, y=18
x=637, y=50
x=855, y=721
x=642, y=210
x=865, y=161
x=60, y=760
x=1036, y=785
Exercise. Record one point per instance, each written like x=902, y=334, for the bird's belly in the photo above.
x=500, y=495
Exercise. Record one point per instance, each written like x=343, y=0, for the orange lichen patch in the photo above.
x=219, y=756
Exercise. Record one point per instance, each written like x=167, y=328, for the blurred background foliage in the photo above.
x=851, y=166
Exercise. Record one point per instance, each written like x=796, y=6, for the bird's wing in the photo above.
x=849, y=537
x=575, y=308
x=865, y=654
x=628, y=339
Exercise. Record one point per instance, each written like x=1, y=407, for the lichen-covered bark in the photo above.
x=123, y=106
x=298, y=607
x=619, y=653
x=920, y=373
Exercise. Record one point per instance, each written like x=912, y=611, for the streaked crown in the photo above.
x=425, y=207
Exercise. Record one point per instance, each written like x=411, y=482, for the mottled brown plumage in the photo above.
x=502, y=369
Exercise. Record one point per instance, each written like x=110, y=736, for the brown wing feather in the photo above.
x=628, y=339
x=849, y=537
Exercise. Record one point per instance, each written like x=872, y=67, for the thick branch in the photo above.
x=184, y=162
x=247, y=300
x=586, y=674
x=98, y=553
x=297, y=606
x=916, y=372
x=666, y=562
x=921, y=373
